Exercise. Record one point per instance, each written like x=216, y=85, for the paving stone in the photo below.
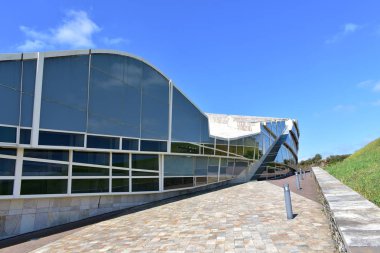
x=244, y=218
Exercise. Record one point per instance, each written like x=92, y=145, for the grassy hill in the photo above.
x=361, y=171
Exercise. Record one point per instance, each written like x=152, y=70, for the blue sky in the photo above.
x=316, y=61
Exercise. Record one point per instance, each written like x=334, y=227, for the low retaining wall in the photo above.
x=354, y=221
x=19, y=216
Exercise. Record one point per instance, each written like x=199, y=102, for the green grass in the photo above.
x=361, y=171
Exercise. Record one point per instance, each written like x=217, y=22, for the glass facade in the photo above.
x=110, y=123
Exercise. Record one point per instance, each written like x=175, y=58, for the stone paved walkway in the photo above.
x=245, y=218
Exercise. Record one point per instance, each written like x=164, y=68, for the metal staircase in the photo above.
x=255, y=169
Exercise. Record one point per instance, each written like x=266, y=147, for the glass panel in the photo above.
x=116, y=172
x=120, y=160
x=145, y=162
x=186, y=119
x=102, y=142
x=155, y=105
x=212, y=170
x=8, y=151
x=6, y=187
x=25, y=136
x=89, y=185
x=178, y=182
x=130, y=144
x=89, y=171
x=59, y=155
x=201, y=166
x=27, y=100
x=144, y=184
x=64, y=93
x=240, y=166
x=248, y=152
x=181, y=147
x=91, y=157
x=208, y=151
x=120, y=185
x=8, y=134
x=7, y=167
x=200, y=181
x=30, y=168
x=115, y=99
x=143, y=174
x=230, y=168
x=10, y=74
x=205, y=132
x=10, y=79
x=223, y=169
x=159, y=146
x=51, y=186
x=179, y=165
x=60, y=139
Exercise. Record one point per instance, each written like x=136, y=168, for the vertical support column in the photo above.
x=130, y=172
x=220, y=159
x=110, y=174
x=69, y=179
x=161, y=172
x=20, y=100
x=18, y=173
x=170, y=116
x=37, y=99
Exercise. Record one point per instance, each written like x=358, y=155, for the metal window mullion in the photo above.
x=20, y=101
x=169, y=148
x=161, y=173
x=69, y=180
x=130, y=172
x=88, y=92
x=110, y=173
x=37, y=99
x=220, y=159
x=18, y=173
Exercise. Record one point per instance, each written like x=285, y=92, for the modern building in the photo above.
x=92, y=131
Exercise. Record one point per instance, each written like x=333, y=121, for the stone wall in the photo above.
x=354, y=221
x=19, y=216
x=339, y=244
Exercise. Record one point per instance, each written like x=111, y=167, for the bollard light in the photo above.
x=288, y=202
x=298, y=184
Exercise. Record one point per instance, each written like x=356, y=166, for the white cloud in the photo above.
x=31, y=45
x=374, y=85
x=345, y=108
x=348, y=28
x=376, y=103
x=75, y=31
x=114, y=41
x=365, y=84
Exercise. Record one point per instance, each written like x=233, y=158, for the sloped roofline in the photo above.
x=47, y=54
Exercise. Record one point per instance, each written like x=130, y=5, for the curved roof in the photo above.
x=220, y=125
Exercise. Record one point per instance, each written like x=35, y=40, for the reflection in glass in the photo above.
x=7, y=167
x=91, y=157
x=178, y=182
x=120, y=185
x=31, y=168
x=89, y=185
x=6, y=187
x=44, y=186
x=145, y=162
x=102, y=142
x=144, y=184
x=60, y=139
